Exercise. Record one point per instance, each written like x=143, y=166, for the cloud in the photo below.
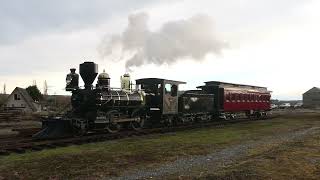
x=22, y=19
x=188, y=38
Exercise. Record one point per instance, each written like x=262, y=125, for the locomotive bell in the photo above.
x=88, y=72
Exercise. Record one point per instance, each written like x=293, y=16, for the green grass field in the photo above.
x=111, y=158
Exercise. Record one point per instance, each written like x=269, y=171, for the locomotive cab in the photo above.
x=161, y=95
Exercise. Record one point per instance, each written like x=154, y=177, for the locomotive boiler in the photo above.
x=98, y=107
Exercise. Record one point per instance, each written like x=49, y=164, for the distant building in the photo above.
x=20, y=99
x=311, y=98
x=3, y=98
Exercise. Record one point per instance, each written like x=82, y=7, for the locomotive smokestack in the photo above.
x=88, y=72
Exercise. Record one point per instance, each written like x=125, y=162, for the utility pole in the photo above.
x=55, y=99
x=45, y=88
x=34, y=83
x=4, y=88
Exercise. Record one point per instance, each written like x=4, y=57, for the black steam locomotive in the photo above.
x=154, y=102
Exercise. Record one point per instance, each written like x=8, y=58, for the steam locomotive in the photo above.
x=153, y=103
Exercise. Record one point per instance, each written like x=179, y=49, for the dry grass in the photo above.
x=297, y=160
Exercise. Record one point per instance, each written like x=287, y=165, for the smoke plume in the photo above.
x=190, y=38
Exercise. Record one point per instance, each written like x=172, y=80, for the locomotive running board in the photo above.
x=53, y=128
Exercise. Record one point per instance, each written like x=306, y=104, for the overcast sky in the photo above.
x=267, y=42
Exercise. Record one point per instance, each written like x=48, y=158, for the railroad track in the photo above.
x=25, y=144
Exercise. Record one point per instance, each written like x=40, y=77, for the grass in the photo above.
x=295, y=160
x=110, y=158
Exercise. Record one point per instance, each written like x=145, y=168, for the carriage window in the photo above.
x=267, y=98
x=227, y=96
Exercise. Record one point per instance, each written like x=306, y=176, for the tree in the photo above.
x=34, y=93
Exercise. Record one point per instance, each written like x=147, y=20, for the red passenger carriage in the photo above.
x=234, y=98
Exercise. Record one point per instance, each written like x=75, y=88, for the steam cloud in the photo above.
x=175, y=40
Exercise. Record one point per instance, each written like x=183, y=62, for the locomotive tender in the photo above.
x=153, y=103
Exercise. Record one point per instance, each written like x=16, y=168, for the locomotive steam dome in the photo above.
x=103, y=80
x=104, y=75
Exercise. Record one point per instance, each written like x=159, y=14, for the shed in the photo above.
x=311, y=98
x=20, y=99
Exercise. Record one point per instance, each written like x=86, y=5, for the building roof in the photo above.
x=312, y=90
x=26, y=96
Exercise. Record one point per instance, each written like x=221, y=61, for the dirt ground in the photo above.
x=286, y=147
x=6, y=128
x=22, y=121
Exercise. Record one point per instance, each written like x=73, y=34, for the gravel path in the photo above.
x=214, y=160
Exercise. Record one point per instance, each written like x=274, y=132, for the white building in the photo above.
x=20, y=99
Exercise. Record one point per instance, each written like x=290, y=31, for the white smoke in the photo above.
x=191, y=38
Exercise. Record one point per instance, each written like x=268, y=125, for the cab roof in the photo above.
x=157, y=81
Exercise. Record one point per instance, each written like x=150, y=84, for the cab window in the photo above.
x=167, y=89
x=174, y=90
x=152, y=88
